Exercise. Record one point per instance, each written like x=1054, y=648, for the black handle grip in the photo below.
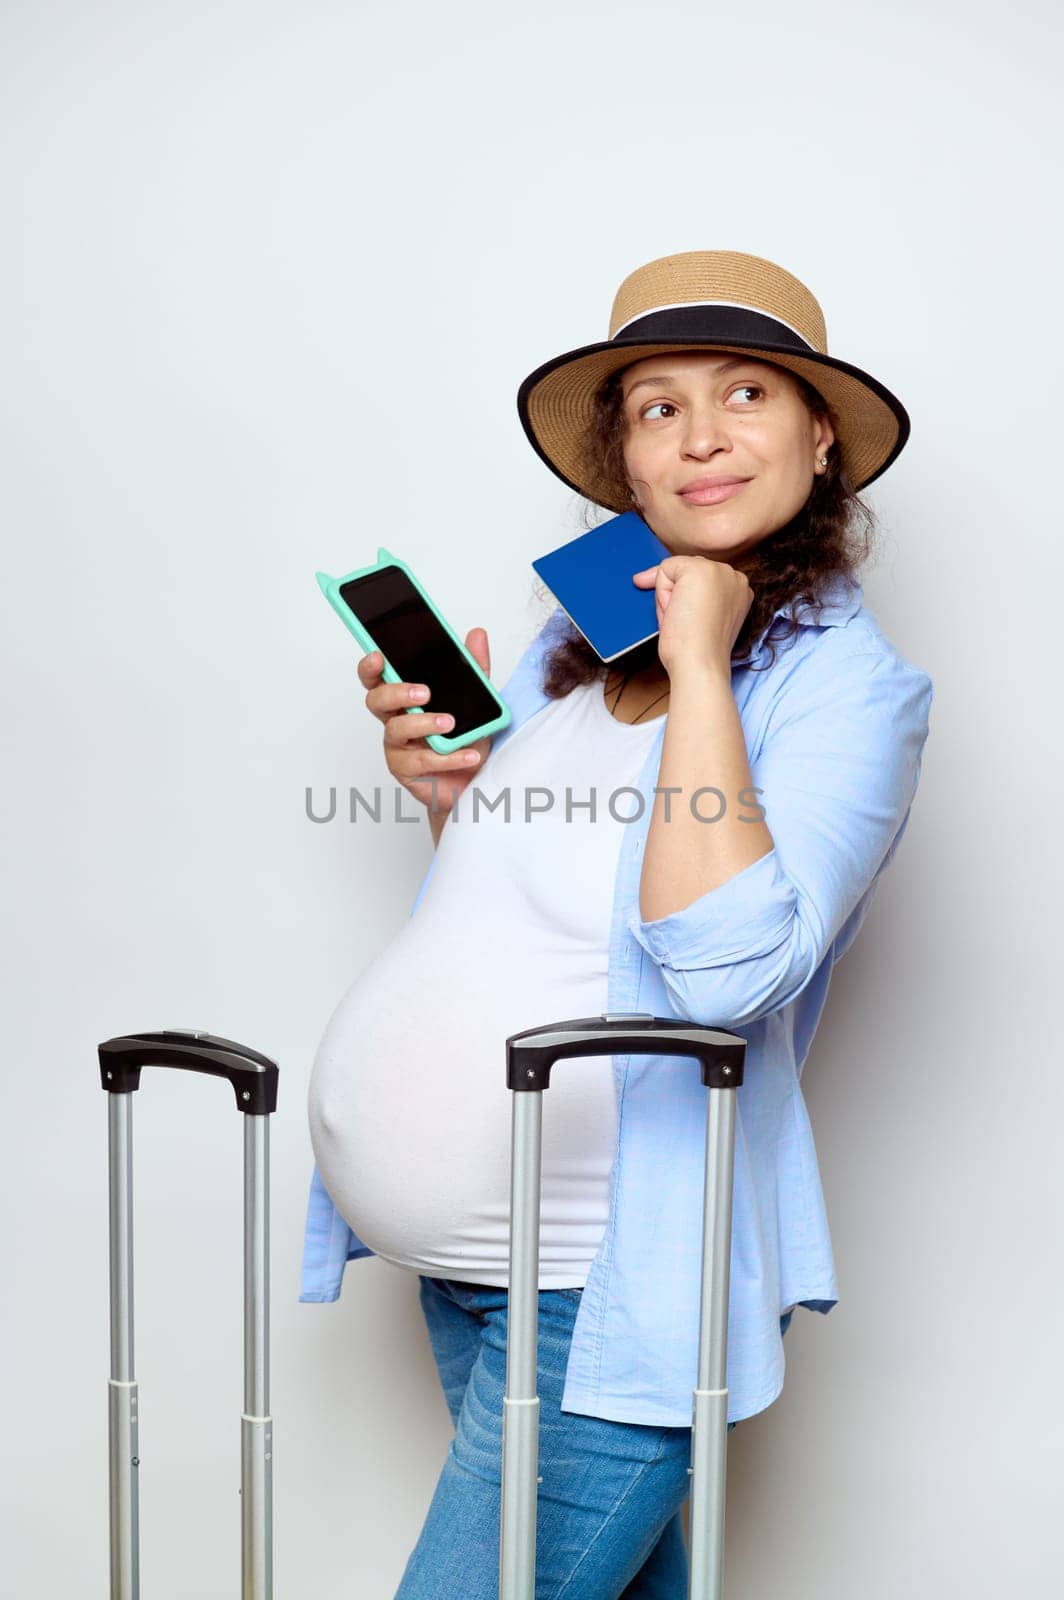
x=531, y=1054
x=253, y=1076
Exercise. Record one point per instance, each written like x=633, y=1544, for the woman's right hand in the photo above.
x=409, y=759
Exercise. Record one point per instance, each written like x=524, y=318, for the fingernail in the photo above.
x=419, y=692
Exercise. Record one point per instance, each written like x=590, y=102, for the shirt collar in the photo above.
x=840, y=600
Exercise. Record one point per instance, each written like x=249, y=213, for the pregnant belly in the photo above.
x=410, y=1117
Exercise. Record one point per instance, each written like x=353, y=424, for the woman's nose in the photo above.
x=705, y=431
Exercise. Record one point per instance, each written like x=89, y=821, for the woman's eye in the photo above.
x=667, y=405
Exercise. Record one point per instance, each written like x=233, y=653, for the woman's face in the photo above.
x=695, y=414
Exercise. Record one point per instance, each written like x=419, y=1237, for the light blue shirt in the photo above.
x=835, y=730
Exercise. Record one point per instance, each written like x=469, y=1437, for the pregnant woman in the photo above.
x=696, y=831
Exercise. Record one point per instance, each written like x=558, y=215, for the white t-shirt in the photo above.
x=410, y=1116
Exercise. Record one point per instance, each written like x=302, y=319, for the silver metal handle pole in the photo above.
x=256, y=1426
x=530, y=1055
x=254, y=1081
x=709, y=1446
x=122, y=1390
x=520, y=1417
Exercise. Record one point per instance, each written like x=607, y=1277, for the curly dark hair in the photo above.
x=832, y=535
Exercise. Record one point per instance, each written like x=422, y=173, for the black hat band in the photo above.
x=724, y=324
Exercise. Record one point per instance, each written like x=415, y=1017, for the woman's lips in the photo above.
x=712, y=493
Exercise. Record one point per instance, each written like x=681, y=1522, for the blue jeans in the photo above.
x=608, y=1524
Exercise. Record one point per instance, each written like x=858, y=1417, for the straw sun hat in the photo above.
x=729, y=301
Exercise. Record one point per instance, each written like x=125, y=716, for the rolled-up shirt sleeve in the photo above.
x=836, y=773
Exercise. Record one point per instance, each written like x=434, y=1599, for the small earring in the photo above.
x=823, y=461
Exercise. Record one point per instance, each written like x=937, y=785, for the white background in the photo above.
x=270, y=278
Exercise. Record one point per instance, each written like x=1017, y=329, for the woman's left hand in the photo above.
x=701, y=606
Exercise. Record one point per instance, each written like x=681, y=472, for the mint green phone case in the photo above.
x=440, y=742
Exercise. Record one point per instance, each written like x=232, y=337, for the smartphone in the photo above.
x=387, y=609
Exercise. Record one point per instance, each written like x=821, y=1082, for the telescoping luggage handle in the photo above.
x=254, y=1080
x=530, y=1055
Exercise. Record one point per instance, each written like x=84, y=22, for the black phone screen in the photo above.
x=420, y=649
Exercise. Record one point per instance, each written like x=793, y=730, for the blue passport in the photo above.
x=591, y=579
